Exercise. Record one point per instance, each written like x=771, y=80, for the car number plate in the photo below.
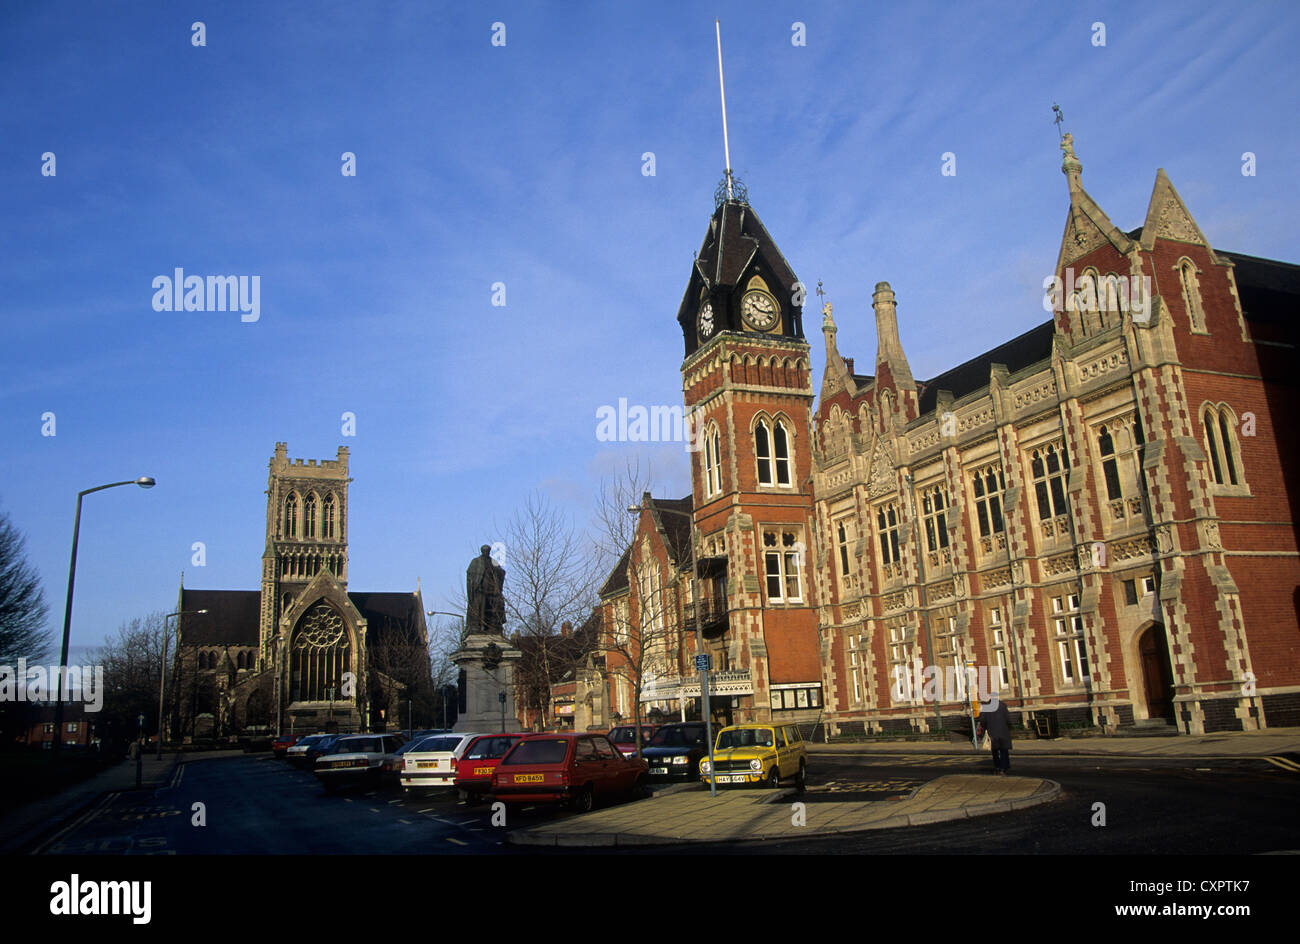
x=725, y=779
x=658, y=770
x=424, y=764
x=480, y=771
x=528, y=778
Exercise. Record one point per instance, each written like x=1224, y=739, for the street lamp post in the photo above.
x=162, y=678
x=143, y=481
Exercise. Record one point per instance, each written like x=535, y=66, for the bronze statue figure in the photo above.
x=485, y=582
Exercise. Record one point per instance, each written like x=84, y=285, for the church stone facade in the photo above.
x=303, y=653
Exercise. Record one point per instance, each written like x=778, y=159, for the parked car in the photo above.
x=477, y=762
x=297, y=752
x=675, y=750
x=574, y=769
x=758, y=753
x=281, y=745
x=623, y=736
x=358, y=759
x=320, y=747
x=432, y=765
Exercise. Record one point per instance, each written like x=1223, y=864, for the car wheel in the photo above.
x=774, y=778
x=584, y=801
x=801, y=779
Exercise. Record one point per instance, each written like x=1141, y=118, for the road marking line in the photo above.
x=429, y=810
x=374, y=809
x=1283, y=763
x=457, y=841
x=398, y=800
x=405, y=822
x=105, y=801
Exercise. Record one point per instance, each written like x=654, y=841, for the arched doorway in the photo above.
x=1157, y=677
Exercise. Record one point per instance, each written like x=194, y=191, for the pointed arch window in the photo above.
x=1222, y=447
x=989, y=486
x=309, y=517
x=781, y=447
x=1048, y=468
x=1191, y=296
x=291, y=515
x=320, y=654
x=327, y=516
x=933, y=505
x=712, y=462
x=763, y=451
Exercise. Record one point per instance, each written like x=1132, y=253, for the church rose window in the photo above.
x=321, y=654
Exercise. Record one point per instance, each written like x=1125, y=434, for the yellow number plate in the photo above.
x=482, y=770
x=528, y=778
x=426, y=763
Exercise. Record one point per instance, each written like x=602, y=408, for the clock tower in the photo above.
x=746, y=383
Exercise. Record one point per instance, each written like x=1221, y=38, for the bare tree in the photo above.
x=132, y=661
x=444, y=640
x=550, y=580
x=23, y=633
x=613, y=526
x=399, y=654
x=643, y=638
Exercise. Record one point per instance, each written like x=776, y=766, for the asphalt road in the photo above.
x=257, y=805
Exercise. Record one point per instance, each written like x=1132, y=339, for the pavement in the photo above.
x=1222, y=744
x=688, y=814
x=30, y=822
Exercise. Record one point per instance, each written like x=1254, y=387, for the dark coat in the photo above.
x=998, y=725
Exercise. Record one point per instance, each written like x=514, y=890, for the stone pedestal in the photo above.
x=483, y=686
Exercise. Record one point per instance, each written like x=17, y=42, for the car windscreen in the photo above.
x=677, y=737
x=541, y=751
x=358, y=746
x=490, y=747
x=623, y=735
x=441, y=744
x=745, y=737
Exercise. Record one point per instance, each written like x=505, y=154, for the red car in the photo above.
x=281, y=745
x=573, y=769
x=624, y=736
x=479, y=760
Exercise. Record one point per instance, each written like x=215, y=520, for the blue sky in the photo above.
x=522, y=164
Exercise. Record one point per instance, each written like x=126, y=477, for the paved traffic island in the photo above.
x=740, y=815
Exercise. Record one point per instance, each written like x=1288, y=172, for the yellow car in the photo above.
x=758, y=753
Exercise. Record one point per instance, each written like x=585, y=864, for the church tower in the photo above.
x=306, y=533
x=747, y=387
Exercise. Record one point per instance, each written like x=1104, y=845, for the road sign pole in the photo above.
x=702, y=663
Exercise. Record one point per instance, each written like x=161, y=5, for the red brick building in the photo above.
x=1100, y=514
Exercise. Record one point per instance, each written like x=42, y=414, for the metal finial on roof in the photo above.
x=1060, y=117
x=730, y=190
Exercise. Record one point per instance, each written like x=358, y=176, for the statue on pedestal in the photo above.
x=485, y=610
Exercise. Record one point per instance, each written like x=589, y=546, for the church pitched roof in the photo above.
x=233, y=617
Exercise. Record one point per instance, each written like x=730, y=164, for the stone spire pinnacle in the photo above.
x=1071, y=167
x=889, y=349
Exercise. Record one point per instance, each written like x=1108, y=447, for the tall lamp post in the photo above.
x=162, y=679
x=143, y=481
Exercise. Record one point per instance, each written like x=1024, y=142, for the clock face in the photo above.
x=706, y=322
x=760, y=311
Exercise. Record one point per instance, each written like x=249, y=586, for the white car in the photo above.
x=431, y=764
x=358, y=759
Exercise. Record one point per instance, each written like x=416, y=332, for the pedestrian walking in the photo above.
x=136, y=753
x=996, y=721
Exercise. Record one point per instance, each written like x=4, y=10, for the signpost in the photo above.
x=972, y=692
x=702, y=665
